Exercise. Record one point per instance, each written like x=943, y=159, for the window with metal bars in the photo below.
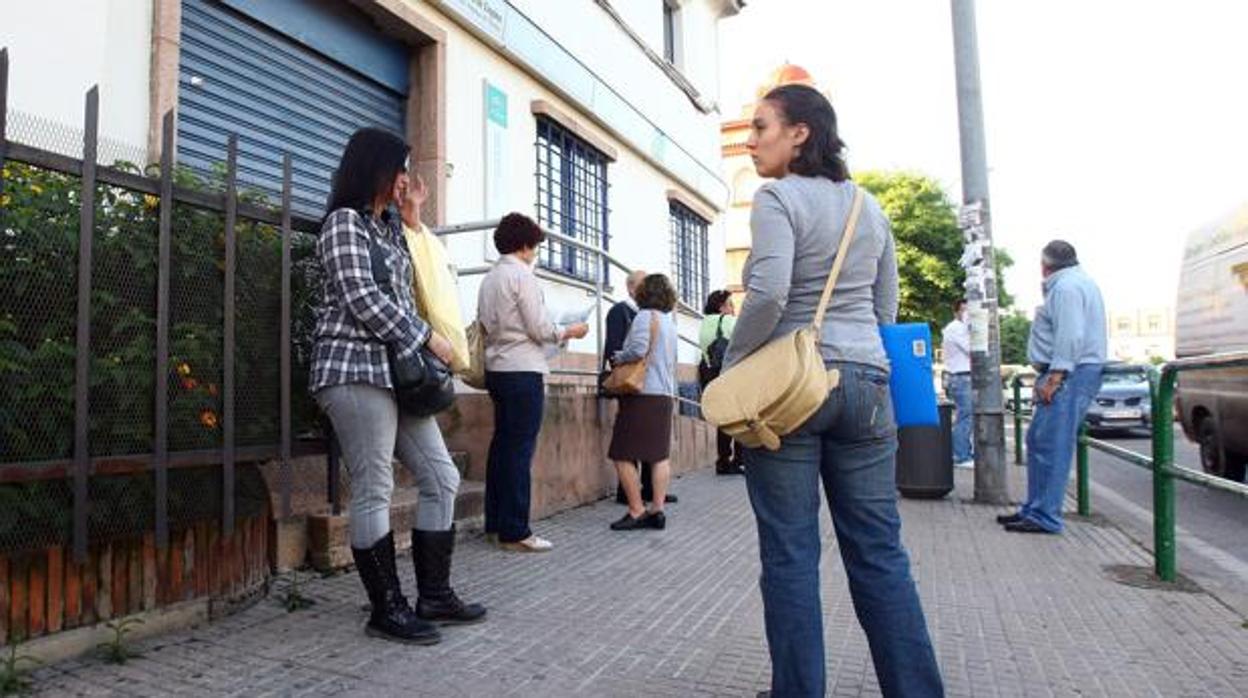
x=689, y=262
x=571, y=199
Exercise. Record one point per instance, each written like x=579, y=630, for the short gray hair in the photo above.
x=1058, y=254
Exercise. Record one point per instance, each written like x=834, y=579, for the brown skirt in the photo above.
x=643, y=429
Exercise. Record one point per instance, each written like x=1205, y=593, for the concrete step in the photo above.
x=329, y=546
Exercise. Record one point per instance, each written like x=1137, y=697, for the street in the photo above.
x=1212, y=525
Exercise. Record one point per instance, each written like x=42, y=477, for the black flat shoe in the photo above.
x=1004, y=519
x=630, y=523
x=670, y=499
x=656, y=520
x=1025, y=526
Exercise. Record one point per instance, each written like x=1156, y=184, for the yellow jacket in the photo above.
x=435, y=287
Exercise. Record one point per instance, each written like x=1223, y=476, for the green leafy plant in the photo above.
x=39, y=229
x=13, y=672
x=929, y=246
x=292, y=596
x=116, y=651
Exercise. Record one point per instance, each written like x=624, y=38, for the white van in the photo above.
x=1212, y=317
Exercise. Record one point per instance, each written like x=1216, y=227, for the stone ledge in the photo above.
x=328, y=543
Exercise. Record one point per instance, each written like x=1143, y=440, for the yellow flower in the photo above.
x=150, y=201
x=4, y=199
x=208, y=418
x=36, y=188
x=184, y=369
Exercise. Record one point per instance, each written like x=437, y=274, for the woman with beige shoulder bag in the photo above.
x=819, y=243
x=644, y=378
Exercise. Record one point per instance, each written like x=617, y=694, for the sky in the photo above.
x=1118, y=126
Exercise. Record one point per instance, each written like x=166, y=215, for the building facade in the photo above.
x=597, y=118
x=1141, y=334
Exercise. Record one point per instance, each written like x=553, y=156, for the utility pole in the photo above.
x=981, y=281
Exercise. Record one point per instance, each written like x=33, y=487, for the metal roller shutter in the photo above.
x=237, y=75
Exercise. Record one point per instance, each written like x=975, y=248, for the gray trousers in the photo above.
x=371, y=432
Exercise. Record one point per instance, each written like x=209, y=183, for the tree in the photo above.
x=1015, y=329
x=929, y=246
x=929, y=243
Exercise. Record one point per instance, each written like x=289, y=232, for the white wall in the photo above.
x=588, y=32
x=58, y=49
x=638, y=220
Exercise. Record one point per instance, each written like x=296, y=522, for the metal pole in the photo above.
x=284, y=350
x=331, y=471
x=4, y=111
x=1163, y=482
x=1082, y=486
x=990, y=475
x=82, y=350
x=600, y=411
x=161, y=447
x=227, y=363
x=1018, y=421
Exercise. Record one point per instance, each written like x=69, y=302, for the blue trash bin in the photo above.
x=924, y=438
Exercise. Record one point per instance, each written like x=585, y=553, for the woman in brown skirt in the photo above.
x=643, y=427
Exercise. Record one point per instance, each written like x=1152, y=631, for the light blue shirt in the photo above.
x=1069, y=329
x=661, y=369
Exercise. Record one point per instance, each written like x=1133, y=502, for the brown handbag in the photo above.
x=630, y=378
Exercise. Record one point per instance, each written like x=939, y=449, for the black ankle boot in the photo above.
x=431, y=554
x=391, y=617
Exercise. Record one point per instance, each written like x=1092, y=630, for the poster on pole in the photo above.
x=977, y=318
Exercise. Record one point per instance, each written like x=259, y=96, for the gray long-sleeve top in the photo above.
x=796, y=226
x=661, y=369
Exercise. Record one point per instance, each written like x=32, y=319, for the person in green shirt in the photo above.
x=718, y=320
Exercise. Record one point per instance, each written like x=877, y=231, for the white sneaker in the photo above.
x=532, y=544
x=965, y=465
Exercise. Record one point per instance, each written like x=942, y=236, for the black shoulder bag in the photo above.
x=712, y=363
x=423, y=383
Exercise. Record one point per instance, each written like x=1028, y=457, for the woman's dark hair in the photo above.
x=821, y=154
x=715, y=301
x=656, y=293
x=372, y=159
x=516, y=232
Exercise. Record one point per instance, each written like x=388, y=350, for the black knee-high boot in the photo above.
x=391, y=617
x=431, y=553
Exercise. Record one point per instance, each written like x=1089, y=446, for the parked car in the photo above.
x=1026, y=381
x=1212, y=317
x=1124, y=402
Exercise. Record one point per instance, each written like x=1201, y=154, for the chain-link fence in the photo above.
x=73, y=476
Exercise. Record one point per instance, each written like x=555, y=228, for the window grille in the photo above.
x=689, y=261
x=571, y=199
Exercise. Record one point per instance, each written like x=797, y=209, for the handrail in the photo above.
x=1161, y=463
x=603, y=255
x=1164, y=470
x=596, y=286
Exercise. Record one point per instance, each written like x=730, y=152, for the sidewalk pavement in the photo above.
x=677, y=613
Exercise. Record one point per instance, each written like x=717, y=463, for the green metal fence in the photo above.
x=1161, y=461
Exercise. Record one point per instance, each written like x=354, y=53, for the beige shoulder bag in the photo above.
x=630, y=378
x=773, y=391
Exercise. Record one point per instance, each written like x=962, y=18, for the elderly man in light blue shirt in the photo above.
x=1067, y=347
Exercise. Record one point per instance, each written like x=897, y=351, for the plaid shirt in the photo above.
x=356, y=320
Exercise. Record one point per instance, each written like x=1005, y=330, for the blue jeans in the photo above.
x=518, y=400
x=959, y=389
x=850, y=443
x=1051, y=444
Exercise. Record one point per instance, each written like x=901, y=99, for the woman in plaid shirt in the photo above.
x=350, y=380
